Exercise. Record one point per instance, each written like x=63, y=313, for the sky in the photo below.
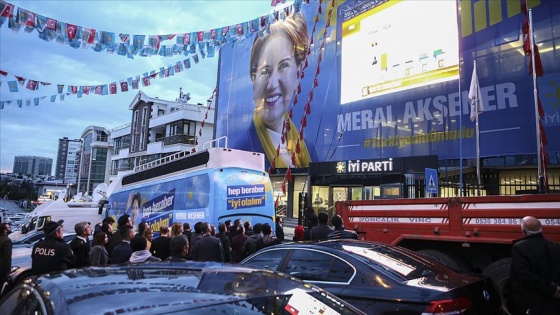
x=35, y=130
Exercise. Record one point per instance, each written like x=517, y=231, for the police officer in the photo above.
x=51, y=253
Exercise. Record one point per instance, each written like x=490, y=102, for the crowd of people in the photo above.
x=534, y=268
x=229, y=242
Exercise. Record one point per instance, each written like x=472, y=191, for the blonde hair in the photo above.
x=176, y=229
x=294, y=27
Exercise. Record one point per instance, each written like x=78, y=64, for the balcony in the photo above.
x=179, y=139
x=115, y=171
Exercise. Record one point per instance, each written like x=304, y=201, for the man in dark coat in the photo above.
x=80, y=244
x=161, y=246
x=279, y=229
x=122, y=252
x=116, y=237
x=5, y=251
x=535, y=273
x=222, y=235
x=312, y=221
x=208, y=247
x=339, y=230
x=179, y=249
x=52, y=253
x=321, y=231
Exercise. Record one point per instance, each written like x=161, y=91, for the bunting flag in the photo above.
x=78, y=36
x=113, y=88
x=124, y=86
x=79, y=90
x=6, y=9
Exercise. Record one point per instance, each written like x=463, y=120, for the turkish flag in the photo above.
x=51, y=24
x=200, y=36
x=124, y=87
x=90, y=35
x=86, y=90
x=187, y=39
x=31, y=85
x=7, y=9
x=71, y=31
x=113, y=88
x=146, y=81
x=30, y=19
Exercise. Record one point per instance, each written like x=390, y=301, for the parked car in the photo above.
x=171, y=288
x=382, y=279
x=28, y=239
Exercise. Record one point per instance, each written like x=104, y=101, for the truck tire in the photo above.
x=441, y=258
x=498, y=271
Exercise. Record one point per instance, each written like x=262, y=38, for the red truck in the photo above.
x=466, y=233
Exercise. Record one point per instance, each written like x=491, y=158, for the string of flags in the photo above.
x=124, y=85
x=195, y=44
x=307, y=108
x=531, y=50
x=203, y=42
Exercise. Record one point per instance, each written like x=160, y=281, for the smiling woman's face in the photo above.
x=276, y=79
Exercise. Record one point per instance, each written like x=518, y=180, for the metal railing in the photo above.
x=181, y=154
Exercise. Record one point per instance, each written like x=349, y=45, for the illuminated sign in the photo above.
x=393, y=48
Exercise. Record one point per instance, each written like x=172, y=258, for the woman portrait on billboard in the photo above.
x=135, y=205
x=275, y=67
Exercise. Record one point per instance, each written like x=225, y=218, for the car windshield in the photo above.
x=395, y=261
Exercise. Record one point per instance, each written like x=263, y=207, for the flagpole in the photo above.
x=540, y=184
x=476, y=100
x=461, y=137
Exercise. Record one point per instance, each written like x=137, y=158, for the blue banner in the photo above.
x=384, y=81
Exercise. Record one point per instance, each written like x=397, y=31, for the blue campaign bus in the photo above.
x=212, y=185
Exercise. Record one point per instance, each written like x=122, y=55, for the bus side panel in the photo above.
x=158, y=199
x=213, y=195
x=243, y=194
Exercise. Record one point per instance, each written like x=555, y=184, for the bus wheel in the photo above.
x=441, y=258
x=498, y=271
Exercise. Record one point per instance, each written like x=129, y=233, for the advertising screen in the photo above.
x=392, y=48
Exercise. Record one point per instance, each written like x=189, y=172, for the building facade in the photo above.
x=159, y=128
x=32, y=165
x=67, y=160
x=93, y=159
x=384, y=84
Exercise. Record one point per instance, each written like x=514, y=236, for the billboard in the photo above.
x=390, y=79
